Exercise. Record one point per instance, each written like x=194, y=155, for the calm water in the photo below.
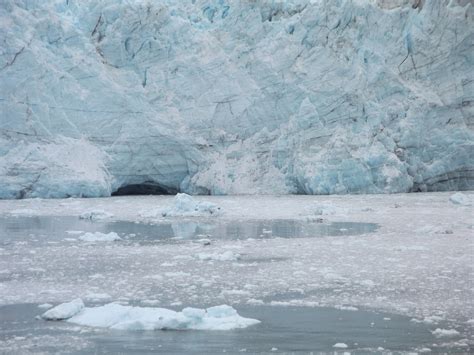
x=289, y=329
x=41, y=228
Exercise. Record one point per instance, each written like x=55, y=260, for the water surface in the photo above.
x=41, y=228
x=288, y=329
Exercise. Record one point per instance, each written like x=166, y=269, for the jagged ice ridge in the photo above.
x=230, y=97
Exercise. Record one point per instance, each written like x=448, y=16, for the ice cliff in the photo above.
x=223, y=97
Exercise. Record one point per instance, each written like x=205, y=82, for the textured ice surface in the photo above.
x=408, y=266
x=461, y=199
x=445, y=333
x=224, y=96
x=64, y=310
x=116, y=316
x=99, y=237
x=226, y=256
x=185, y=205
x=95, y=215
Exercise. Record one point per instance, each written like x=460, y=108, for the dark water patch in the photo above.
x=145, y=188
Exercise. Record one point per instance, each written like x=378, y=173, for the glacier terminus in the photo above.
x=235, y=97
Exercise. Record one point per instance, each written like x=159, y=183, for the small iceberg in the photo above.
x=186, y=205
x=226, y=256
x=445, y=333
x=461, y=199
x=116, y=316
x=99, y=237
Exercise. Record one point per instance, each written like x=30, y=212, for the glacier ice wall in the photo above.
x=220, y=96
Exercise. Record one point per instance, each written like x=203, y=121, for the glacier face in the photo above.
x=222, y=97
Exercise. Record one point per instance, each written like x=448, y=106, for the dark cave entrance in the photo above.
x=145, y=188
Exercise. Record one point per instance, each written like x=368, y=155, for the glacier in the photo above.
x=235, y=97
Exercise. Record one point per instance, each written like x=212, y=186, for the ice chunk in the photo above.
x=226, y=256
x=461, y=199
x=340, y=346
x=64, y=310
x=329, y=210
x=74, y=232
x=186, y=205
x=116, y=316
x=221, y=311
x=194, y=313
x=45, y=305
x=97, y=296
x=445, y=333
x=346, y=308
x=96, y=215
x=99, y=237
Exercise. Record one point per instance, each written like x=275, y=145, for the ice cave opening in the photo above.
x=145, y=188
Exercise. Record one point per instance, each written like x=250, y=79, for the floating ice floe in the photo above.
x=64, y=310
x=99, y=237
x=96, y=215
x=45, y=305
x=74, y=232
x=116, y=316
x=186, y=205
x=346, y=308
x=429, y=320
x=226, y=256
x=445, y=333
x=255, y=302
x=461, y=199
x=340, y=346
x=325, y=210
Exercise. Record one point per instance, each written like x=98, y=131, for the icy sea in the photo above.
x=299, y=274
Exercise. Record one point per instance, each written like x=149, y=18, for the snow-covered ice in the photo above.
x=64, y=310
x=116, y=316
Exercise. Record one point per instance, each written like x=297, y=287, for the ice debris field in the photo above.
x=417, y=263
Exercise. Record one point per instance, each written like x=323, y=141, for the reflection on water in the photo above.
x=57, y=228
